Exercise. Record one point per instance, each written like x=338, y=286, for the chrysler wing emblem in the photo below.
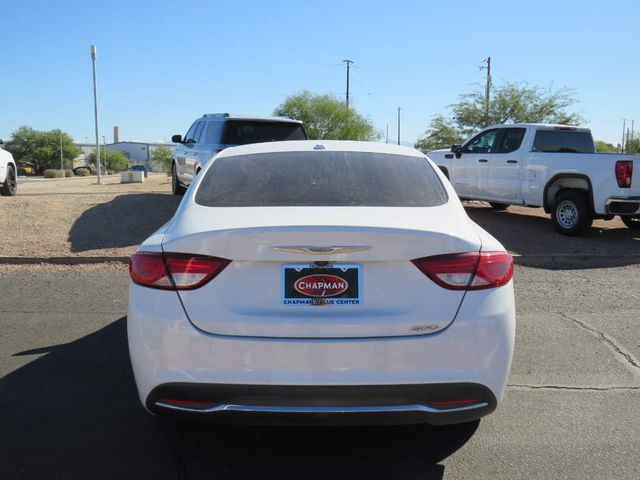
x=311, y=250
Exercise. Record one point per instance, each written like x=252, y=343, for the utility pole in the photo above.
x=95, y=113
x=487, y=90
x=399, y=108
x=387, y=133
x=348, y=62
x=633, y=135
x=624, y=128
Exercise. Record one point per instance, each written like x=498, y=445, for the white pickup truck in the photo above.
x=550, y=166
x=8, y=171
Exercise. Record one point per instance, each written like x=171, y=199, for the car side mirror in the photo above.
x=457, y=150
x=1, y=142
x=176, y=139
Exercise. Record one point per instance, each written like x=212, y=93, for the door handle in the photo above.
x=185, y=152
x=483, y=160
x=512, y=161
x=195, y=153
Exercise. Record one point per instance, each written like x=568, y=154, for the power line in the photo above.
x=348, y=62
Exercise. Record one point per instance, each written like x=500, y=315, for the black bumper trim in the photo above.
x=375, y=401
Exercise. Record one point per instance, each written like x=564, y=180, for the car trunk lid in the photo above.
x=272, y=248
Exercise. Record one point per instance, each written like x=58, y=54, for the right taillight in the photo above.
x=624, y=172
x=468, y=271
x=174, y=271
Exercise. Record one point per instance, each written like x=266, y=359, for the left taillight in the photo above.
x=174, y=271
x=468, y=271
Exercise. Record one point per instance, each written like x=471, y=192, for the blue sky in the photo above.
x=162, y=64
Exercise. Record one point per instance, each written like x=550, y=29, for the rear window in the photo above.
x=563, y=141
x=321, y=179
x=244, y=132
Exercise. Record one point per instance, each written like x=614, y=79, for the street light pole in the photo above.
x=95, y=113
x=61, y=156
x=399, y=125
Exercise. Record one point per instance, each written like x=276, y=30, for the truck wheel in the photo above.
x=176, y=187
x=631, y=222
x=498, y=207
x=570, y=213
x=10, y=185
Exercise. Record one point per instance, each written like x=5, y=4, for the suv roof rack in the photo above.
x=251, y=117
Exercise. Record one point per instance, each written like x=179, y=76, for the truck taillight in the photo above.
x=624, y=172
x=468, y=271
x=174, y=271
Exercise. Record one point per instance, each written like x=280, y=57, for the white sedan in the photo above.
x=321, y=282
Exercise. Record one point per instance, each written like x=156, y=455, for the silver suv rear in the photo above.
x=214, y=132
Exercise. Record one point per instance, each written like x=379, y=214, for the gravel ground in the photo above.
x=527, y=231
x=74, y=217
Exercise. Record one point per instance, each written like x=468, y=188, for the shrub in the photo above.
x=113, y=160
x=68, y=173
x=82, y=171
x=50, y=173
x=162, y=155
x=110, y=172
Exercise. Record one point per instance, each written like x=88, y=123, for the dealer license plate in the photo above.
x=310, y=284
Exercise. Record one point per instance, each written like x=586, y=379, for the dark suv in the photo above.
x=214, y=132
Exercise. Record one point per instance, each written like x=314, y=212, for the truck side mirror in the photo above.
x=176, y=139
x=1, y=142
x=457, y=150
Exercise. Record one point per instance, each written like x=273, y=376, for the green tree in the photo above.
x=509, y=103
x=112, y=159
x=632, y=145
x=604, y=147
x=42, y=148
x=162, y=155
x=326, y=117
x=441, y=134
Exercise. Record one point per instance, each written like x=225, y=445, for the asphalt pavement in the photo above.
x=69, y=407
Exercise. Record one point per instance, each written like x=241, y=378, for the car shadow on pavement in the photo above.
x=534, y=235
x=125, y=221
x=319, y=452
x=73, y=412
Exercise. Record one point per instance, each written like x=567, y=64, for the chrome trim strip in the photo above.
x=311, y=250
x=620, y=200
x=313, y=409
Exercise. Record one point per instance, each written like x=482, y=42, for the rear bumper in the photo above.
x=436, y=404
x=623, y=205
x=170, y=356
